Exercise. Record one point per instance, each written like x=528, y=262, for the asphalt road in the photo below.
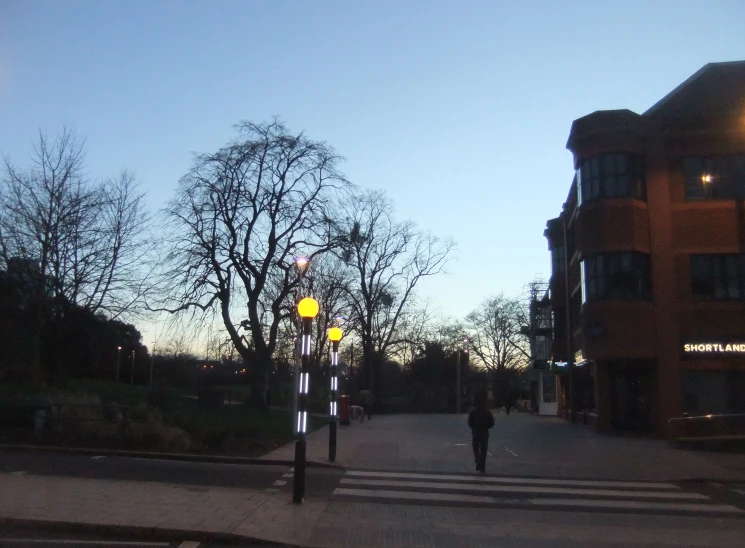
x=320, y=481
x=17, y=537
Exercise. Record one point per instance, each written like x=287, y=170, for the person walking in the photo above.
x=369, y=403
x=480, y=420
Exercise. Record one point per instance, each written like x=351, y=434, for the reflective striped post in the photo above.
x=307, y=309
x=335, y=336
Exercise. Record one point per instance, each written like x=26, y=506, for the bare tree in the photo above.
x=81, y=242
x=239, y=217
x=494, y=330
x=388, y=259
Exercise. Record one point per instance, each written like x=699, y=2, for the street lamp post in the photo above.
x=307, y=309
x=118, y=361
x=301, y=263
x=335, y=336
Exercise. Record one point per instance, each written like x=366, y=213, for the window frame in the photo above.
x=618, y=275
x=611, y=175
x=721, y=275
x=727, y=174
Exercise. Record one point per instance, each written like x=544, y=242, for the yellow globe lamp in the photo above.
x=308, y=308
x=335, y=334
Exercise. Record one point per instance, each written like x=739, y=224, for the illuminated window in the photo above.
x=616, y=276
x=611, y=176
x=718, y=277
x=714, y=178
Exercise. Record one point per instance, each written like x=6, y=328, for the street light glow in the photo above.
x=308, y=308
x=301, y=262
x=706, y=178
x=335, y=334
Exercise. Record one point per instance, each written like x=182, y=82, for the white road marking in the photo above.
x=634, y=505
x=288, y=476
x=4, y=541
x=98, y=457
x=19, y=473
x=460, y=444
x=189, y=544
x=413, y=496
x=576, y=503
x=279, y=483
x=526, y=489
x=513, y=480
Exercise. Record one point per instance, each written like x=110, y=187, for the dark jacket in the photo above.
x=480, y=420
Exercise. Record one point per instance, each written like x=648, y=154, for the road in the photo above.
x=409, y=481
x=320, y=481
x=18, y=537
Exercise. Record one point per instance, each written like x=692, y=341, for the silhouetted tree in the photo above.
x=496, y=339
x=388, y=259
x=80, y=242
x=239, y=217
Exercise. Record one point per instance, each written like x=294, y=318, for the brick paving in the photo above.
x=421, y=443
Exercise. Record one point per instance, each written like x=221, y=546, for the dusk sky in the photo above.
x=460, y=111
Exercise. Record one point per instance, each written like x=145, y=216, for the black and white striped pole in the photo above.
x=335, y=336
x=307, y=309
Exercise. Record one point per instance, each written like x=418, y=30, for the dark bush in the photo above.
x=211, y=397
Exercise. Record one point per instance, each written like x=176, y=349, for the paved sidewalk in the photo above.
x=161, y=508
x=520, y=444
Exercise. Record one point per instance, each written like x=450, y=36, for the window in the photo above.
x=715, y=392
x=714, y=178
x=611, y=176
x=616, y=276
x=719, y=277
x=557, y=259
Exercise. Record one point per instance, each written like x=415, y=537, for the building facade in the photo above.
x=647, y=290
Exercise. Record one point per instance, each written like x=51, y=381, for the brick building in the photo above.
x=648, y=260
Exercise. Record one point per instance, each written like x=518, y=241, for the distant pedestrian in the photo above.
x=480, y=420
x=369, y=403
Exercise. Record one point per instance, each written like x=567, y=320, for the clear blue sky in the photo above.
x=459, y=110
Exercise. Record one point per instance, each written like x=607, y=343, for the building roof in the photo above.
x=714, y=92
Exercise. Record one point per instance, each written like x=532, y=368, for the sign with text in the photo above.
x=717, y=348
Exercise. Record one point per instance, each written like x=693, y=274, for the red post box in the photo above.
x=344, y=410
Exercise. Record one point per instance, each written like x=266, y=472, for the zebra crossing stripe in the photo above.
x=513, y=480
x=407, y=495
x=525, y=489
x=590, y=504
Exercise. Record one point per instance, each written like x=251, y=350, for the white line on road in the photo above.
x=527, y=489
x=4, y=541
x=98, y=457
x=575, y=503
x=513, y=480
x=633, y=505
x=280, y=483
x=189, y=544
x=288, y=476
x=413, y=496
x=19, y=473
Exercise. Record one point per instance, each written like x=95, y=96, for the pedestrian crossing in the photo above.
x=527, y=493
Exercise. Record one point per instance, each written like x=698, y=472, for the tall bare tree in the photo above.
x=82, y=242
x=494, y=331
x=388, y=258
x=240, y=215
